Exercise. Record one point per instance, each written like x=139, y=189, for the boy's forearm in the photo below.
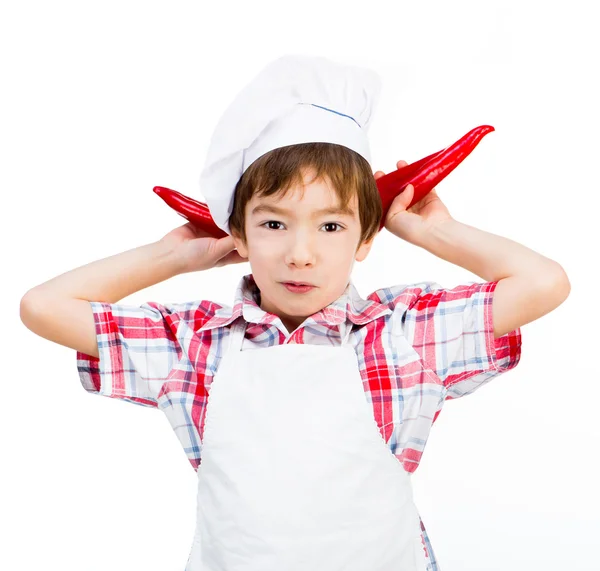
x=488, y=255
x=113, y=278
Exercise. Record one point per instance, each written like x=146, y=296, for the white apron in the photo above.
x=294, y=472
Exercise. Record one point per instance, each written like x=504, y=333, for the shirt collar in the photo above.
x=349, y=306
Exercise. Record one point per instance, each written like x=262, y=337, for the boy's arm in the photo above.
x=59, y=309
x=530, y=285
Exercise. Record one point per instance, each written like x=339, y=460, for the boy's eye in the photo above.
x=326, y=224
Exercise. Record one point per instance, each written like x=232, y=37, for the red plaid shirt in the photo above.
x=418, y=345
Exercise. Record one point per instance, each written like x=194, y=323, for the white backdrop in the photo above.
x=102, y=101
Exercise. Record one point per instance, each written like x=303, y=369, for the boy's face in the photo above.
x=297, y=243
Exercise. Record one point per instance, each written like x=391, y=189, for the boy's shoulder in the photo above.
x=403, y=296
x=196, y=313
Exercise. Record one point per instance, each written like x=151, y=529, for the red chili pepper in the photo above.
x=196, y=212
x=423, y=174
x=430, y=172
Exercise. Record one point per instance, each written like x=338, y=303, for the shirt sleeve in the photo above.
x=453, y=331
x=137, y=348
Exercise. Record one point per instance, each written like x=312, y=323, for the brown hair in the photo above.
x=276, y=171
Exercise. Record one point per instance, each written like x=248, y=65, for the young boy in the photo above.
x=304, y=410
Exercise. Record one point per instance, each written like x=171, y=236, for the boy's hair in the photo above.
x=276, y=171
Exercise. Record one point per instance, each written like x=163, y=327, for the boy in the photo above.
x=304, y=448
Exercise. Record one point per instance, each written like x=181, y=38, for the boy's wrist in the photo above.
x=172, y=256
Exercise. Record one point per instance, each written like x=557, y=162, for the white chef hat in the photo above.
x=294, y=99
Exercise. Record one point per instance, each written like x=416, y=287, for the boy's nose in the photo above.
x=301, y=251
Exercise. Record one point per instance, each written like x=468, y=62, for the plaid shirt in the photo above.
x=417, y=345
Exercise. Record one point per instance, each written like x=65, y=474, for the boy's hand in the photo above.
x=414, y=224
x=196, y=250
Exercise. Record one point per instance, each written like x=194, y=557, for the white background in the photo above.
x=100, y=102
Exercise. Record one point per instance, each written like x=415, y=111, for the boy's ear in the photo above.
x=241, y=248
x=363, y=250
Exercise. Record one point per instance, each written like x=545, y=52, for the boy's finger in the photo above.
x=408, y=193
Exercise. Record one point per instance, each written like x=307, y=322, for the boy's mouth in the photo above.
x=299, y=284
